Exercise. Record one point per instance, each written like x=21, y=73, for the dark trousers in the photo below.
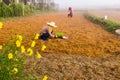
x=70, y=15
x=44, y=36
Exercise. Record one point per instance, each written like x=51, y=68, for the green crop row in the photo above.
x=107, y=24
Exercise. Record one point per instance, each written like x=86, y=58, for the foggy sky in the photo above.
x=87, y=4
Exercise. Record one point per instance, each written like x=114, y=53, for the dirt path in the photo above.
x=68, y=61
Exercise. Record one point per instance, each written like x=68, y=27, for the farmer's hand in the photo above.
x=55, y=36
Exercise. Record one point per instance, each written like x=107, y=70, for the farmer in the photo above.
x=70, y=12
x=46, y=31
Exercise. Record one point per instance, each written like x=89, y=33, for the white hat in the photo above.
x=51, y=24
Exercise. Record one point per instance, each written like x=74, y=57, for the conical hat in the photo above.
x=51, y=24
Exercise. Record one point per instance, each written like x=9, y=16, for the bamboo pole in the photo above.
x=16, y=1
x=23, y=10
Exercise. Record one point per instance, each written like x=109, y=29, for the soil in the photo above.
x=61, y=66
x=89, y=53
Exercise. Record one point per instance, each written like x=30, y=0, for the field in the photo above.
x=90, y=52
x=112, y=14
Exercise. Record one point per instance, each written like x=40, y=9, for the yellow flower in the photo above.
x=19, y=37
x=43, y=48
x=18, y=43
x=38, y=56
x=15, y=70
x=22, y=49
x=45, y=77
x=1, y=25
x=1, y=47
x=10, y=55
x=16, y=52
x=37, y=36
x=29, y=51
x=16, y=60
x=33, y=43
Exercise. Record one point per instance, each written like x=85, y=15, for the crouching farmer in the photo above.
x=47, y=30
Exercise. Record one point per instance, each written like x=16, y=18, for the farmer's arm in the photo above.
x=51, y=35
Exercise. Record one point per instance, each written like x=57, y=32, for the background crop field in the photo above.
x=84, y=37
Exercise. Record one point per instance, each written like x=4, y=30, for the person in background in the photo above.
x=70, y=12
x=47, y=31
